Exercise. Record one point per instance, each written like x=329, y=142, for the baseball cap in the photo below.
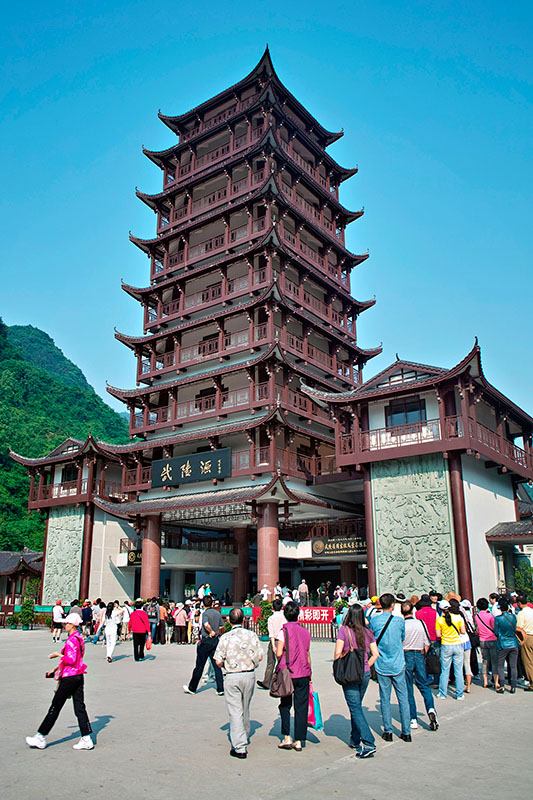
x=352, y=601
x=72, y=619
x=444, y=604
x=374, y=598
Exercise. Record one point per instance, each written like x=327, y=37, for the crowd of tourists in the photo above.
x=401, y=643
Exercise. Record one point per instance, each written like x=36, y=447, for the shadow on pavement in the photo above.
x=98, y=724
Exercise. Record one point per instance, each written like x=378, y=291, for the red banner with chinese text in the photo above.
x=308, y=615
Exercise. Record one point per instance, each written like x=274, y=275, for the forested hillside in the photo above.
x=44, y=398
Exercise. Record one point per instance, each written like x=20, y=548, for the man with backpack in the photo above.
x=390, y=666
x=152, y=610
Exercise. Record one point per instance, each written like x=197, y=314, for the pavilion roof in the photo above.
x=11, y=562
x=264, y=70
x=277, y=487
x=425, y=376
x=68, y=450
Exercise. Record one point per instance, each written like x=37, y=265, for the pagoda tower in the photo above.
x=248, y=298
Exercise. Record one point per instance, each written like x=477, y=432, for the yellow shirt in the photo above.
x=448, y=634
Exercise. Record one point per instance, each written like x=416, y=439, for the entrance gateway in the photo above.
x=250, y=354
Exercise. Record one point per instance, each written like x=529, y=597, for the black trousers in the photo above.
x=206, y=649
x=138, y=645
x=301, y=710
x=67, y=687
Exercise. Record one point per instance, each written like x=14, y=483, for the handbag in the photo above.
x=282, y=685
x=431, y=658
x=314, y=715
x=350, y=667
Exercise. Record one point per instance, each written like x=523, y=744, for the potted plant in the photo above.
x=27, y=613
x=266, y=612
x=13, y=621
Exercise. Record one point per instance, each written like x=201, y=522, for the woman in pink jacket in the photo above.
x=69, y=675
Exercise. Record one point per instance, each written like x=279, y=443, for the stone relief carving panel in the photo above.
x=413, y=525
x=63, y=554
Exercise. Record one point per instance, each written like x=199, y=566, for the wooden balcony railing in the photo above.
x=228, y=113
x=422, y=433
x=213, y=245
x=198, y=163
x=73, y=489
x=314, y=257
x=324, y=310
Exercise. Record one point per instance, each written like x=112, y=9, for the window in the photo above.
x=405, y=412
x=69, y=473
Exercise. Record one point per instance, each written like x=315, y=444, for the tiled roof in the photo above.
x=511, y=530
x=10, y=562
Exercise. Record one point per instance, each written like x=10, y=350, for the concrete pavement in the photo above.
x=153, y=741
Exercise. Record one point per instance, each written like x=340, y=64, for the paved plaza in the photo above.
x=153, y=741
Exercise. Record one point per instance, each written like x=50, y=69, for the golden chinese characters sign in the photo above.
x=338, y=546
x=190, y=469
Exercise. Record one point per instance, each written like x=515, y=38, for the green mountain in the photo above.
x=44, y=398
x=39, y=349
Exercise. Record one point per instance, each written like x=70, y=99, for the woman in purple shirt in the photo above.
x=299, y=640
x=354, y=635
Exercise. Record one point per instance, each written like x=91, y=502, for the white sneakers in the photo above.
x=36, y=741
x=186, y=689
x=85, y=743
x=414, y=724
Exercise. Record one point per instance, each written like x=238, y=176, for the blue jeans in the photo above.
x=386, y=682
x=451, y=653
x=353, y=694
x=415, y=672
x=153, y=628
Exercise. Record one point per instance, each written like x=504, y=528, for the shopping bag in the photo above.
x=148, y=642
x=314, y=716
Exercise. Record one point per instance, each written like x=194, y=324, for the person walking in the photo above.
x=99, y=629
x=295, y=640
x=449, y=628
x=58, y=615
x=238, y=652
x=139, y=626
x=275, y=623
x=389, y=631
x=415, y=646
x=112, y=618
x=86, y=619
x=524, y=624
x=488, y=642
x=303, y=593
x=211, y=622
x=508, y=644
x=354, y=635
x=70, y=683
x=126, y=614
x=152, y=609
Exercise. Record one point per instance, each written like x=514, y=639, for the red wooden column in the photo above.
x=151, y=557
x=369, y=531
x=267, y=546
x=240, y=585
x=86, y=551
x=462, y=550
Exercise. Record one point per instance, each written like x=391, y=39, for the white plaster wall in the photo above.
x=108, y=580
x=488, y=500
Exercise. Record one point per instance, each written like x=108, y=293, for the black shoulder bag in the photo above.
x=432, y=660
x=350, y=667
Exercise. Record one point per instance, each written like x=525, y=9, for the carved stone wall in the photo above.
x=63, y=554
x=413, y=527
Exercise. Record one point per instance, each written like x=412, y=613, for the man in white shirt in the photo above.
x=415, y=647
x=276, y=621
x=303, y=593
x=265, y=592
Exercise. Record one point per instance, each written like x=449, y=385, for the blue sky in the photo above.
x=435, y=101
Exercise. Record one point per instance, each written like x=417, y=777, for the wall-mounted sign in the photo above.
x=338, y=546
x=192, y=468
x=135, y=558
